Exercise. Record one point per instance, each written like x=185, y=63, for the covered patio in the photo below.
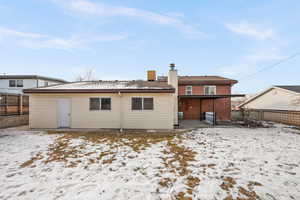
x=196, y=107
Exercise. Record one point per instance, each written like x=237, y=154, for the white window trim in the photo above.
x=14, y=81
x=210, y=86
x=100, y=108
x=190, y=89
x=142, y=104
x=17, y=83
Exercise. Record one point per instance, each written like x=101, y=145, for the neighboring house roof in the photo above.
x=290, y=88
x=106, y=87
x=32, y=77
x=293, y=88
x=217, y=80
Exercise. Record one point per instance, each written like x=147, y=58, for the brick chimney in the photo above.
x=151, y=75
x=173, y=80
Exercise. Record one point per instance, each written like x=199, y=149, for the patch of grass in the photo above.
x=244, y=194
x=177, y=162
x=62, y=150
x=137, y=140
x=30, y=162
x=182, y=196
x=250, y=195
x=180, y=154
x=212, y=165
x=229, y=197
x=254, y=183
x=228, y=183
x=110, y=160
x=166, y=182
x=193, y=181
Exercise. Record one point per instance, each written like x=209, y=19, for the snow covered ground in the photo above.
x=215, y=163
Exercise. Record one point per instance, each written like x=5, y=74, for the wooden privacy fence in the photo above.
x=13, y=104
x=280, y=116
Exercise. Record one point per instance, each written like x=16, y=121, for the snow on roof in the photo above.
x=103, y=86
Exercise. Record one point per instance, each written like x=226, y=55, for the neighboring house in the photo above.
x=275, y=98
x=16, y=83
x=200, y=94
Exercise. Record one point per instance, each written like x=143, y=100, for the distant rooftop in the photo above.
x=106, y=86
x=32, y=77
x=201, y=80
x=294, y=88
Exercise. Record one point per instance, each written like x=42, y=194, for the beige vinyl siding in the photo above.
x=161, y=117
x=44, y=114
x=83, y=117
x=275, y=99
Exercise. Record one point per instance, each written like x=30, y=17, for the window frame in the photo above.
x=143, y=104
x=100, y=104
x=152, y=108
x=101, y=108
x=188, y=88
x=210, y=86
x=12, y=81
x=90, y=104
x=17, y=83
x=132, y=103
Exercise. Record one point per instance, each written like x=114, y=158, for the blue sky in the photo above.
x=122, y=39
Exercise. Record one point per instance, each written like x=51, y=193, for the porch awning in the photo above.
x=210, y=96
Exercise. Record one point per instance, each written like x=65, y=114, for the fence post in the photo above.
x=6, y=104
x=21, y=105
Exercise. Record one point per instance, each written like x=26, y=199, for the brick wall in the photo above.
x=193, y=110
x=222, y=105
x=199, y=89
x=222, y=108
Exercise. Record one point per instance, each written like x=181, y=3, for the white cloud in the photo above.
x=100, y=9
x=53, y=43
x=39, y=41
x=14, y=33
x=251, y=30
x=68, y=43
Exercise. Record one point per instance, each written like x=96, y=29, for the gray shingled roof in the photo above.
x=294, y=88
x=106, y=86
x=200, y=80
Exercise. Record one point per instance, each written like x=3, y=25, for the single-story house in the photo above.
x=280, y=97
x=105, y=104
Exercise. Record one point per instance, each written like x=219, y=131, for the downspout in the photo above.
x=121, y=113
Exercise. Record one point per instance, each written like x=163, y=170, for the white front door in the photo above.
x=64, y=113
